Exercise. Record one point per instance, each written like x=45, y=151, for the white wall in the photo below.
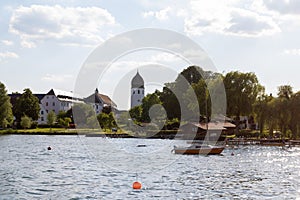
x=137, y=95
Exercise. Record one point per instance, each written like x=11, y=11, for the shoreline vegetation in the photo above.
x=231, y=141
x=254, y=113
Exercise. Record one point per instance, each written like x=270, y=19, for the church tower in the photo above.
x=137, y=90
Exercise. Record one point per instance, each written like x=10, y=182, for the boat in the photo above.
x=199, y=149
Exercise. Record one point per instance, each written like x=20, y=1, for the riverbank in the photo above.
x=89, y=133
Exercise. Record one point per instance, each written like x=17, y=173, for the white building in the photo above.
x=99, y=101
x=137, y=90
x=55, y=100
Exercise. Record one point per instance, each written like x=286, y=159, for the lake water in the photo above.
x=81, y=167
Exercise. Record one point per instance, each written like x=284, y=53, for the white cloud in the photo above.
x=295, y=52
x=248, y=23
x=283, y=6
x=66, y=25
x=8, y=54
x=7, y=42
x=285, y=12
x=160, y=15
x=57, y=78
x=229, y=18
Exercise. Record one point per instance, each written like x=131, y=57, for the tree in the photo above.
x=64, y=121
x=283, y=108
x=106, y=121
x=136, y=113
x=295, y=115
x=92, y=122
x=63, y=118
x=242, y=90
x=176, y=96
x=6, y=115
x=285, y=91
x=51, y=119
x=26, y=122
x=147, y=102
x=261, y=110
x=27, y=104
x=199, y=105
x=81, y=113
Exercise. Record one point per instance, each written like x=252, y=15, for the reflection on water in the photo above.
x=99, y=168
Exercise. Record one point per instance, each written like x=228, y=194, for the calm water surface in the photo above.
x=99, y=168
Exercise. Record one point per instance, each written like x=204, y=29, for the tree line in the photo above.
x=26, y=109
x=245, y=96
x=187, y=98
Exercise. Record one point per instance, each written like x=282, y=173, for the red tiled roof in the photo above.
x=106, y=99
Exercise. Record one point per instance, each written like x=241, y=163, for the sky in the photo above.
x=44, y=44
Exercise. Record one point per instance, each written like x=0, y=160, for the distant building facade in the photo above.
x=137, y=90
x=57, y=100
x=100, y=101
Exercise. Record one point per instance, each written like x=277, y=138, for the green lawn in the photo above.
x=56, y=131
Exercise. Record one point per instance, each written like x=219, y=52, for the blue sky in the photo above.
x=44, y=44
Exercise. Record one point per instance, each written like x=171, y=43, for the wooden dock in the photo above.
x=263, y=142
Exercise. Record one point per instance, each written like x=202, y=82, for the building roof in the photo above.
x=137, y=81
x=61, y=93
x=213, y=125
x=100, y=98
x=106, y=99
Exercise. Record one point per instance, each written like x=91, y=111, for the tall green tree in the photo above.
x=6, y=115
x=201, y=105
x=27, y=104
x=283, y=108
x=242, y=89
x=295, y=115
x=271, y=118
x=147, y=102
x=173, y=96
x=262, y=111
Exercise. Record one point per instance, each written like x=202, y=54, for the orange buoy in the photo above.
x=137, y=185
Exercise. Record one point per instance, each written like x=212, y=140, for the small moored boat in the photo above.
x=199, y=149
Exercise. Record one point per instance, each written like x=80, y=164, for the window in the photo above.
x=133, y=92
x=142, y=91
x=42, y=112
x=46, y=111
x=53, y=104
x=138, y=91
x=46, y=103
x=42, y=119
x=52, y=97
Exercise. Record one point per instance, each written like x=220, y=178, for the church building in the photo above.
x=137, y=90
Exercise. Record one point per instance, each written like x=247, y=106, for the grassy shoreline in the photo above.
x=53, y=131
